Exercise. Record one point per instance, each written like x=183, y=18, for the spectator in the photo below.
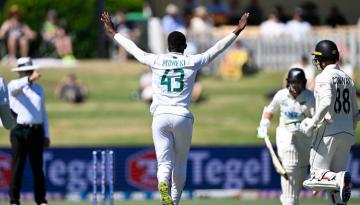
x=283, y=17
x=234, y=14
x=218, y=7
x=200, y=28
x=297, y=28
x=347, y=68
x=172, y=21
x=219, y=12
x=31, y=134
x=122, y=27
x=54, y=35
x=310, y=13
x=196, y=94
x=308, y=69
x=272, y=27
x=119, y=21
x=16, y=34
x=309, y=75
x=201, y=22
x=71, y=89
x=256, y=13
x=335, y=17
x=237, y=62
x=189, y=8
x=146, y=90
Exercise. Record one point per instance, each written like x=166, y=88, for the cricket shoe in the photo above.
x=318, y=182
x=165, y=197
x=344, y=180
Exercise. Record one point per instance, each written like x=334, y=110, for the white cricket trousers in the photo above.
x=293, y=151
x=172, y=139
x=330, y=153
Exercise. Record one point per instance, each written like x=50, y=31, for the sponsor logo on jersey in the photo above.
x=292, y=115
x=142, y=168
x=5, y=171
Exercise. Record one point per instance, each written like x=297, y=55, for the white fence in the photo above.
x=281, y=52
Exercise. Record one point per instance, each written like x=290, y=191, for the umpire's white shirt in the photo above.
x=173, y=74
x=27, y=100
x=336, y=103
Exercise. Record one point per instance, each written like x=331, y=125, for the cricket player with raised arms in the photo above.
x=173, y=76
x=333, y=126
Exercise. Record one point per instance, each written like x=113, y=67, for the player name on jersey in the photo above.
x=173, y=63
x=341, y=80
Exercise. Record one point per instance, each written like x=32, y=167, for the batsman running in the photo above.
x=333, y=123
x=173, y=76
x=295, y=103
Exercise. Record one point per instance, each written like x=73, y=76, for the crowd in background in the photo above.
x=16, y=34
x=228, y=12
x=195, y=19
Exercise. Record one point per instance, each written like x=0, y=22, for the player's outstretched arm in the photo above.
x=225, y=42
x=127, y=44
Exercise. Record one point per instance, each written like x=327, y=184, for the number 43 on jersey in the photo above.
x=166, y=80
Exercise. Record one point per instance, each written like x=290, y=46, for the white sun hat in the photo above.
x=24, y=64
x=171, y=9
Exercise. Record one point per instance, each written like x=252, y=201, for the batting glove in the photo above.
x=263, y=128
x=261, y=132
x=307, y=126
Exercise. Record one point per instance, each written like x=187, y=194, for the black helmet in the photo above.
x=296, y=81
x=326, y=50
x=296, y=74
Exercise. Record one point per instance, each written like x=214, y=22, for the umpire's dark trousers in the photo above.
x=27, y=141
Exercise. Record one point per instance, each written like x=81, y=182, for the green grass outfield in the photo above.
x=205, y=202
x=229, y=116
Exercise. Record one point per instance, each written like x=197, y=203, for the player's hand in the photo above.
x=242, y=24
x=109, y=26
x=261, y=132
x=243, y=21
x=34, y=76
x=307, y=126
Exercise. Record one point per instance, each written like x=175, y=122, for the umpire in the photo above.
x=30, y=135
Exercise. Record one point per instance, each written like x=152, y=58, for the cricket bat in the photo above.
x=275, y=160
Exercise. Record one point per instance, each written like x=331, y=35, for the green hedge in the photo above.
x=80, y=16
